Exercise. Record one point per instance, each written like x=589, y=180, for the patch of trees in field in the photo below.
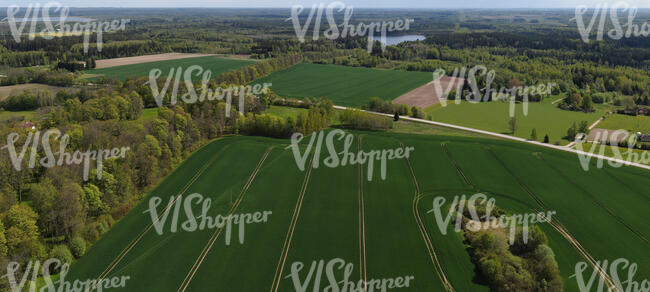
x=575, y=101
x=359, y=120
x=511, y=266
x=318, y=117
x=379, y=105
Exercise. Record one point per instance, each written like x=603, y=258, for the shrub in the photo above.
x=417, y=112
x=62, y=253
x=78, y=247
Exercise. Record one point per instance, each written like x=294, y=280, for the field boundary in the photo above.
x=133, y=243
x=199, y=260
x=292, y=226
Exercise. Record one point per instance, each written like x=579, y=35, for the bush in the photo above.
x=78, y=247
x=22, y=102
x=62, y=253
x=417, y=112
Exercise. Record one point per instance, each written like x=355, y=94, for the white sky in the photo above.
x=355, y=3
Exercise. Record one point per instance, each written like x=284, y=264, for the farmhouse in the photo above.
x=644, y=138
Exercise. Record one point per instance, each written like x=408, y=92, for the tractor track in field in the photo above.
x=204, y=253
x=292, y=226
x=620, y=181
x=555, y=223
x=363, y=270
x=457, y=166
x=423, y=230
x=595, y=200
x=133, y=243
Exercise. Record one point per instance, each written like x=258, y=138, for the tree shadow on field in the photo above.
x=478, y=275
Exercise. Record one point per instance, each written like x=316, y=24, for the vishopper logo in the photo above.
x=176, y=75
x=600, y=140
x=346, y=156
x=628, y=29
x=203, y=221
x=487, y=93
x=336, y=267
x=34, y=269
x=487, y=221
x=361, y=29
x=34, y=139
x=34, y=14
x=616, y=269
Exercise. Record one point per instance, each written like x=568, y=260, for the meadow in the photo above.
x=494, y=117
x=25, y=115
x=382, y=227
x=215, y=64
x=629, y=123
x=346, y=86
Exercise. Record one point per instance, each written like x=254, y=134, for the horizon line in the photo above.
x=356, y=7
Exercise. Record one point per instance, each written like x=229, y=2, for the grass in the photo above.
x=215, y=64
x=6, y=91
x=346, y=86
x=630, y=123
x=7, y=115
x=328, y=224
x=426, y=129
x=494, y=117
x=148, y=114
x=285, y=111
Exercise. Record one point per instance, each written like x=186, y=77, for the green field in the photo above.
x=215, y=64
x=285, y=111
x=148, y=114
x=629, y=123
x=494, y=116
x=326, y=213
x=27, y=115
x=346, y=86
